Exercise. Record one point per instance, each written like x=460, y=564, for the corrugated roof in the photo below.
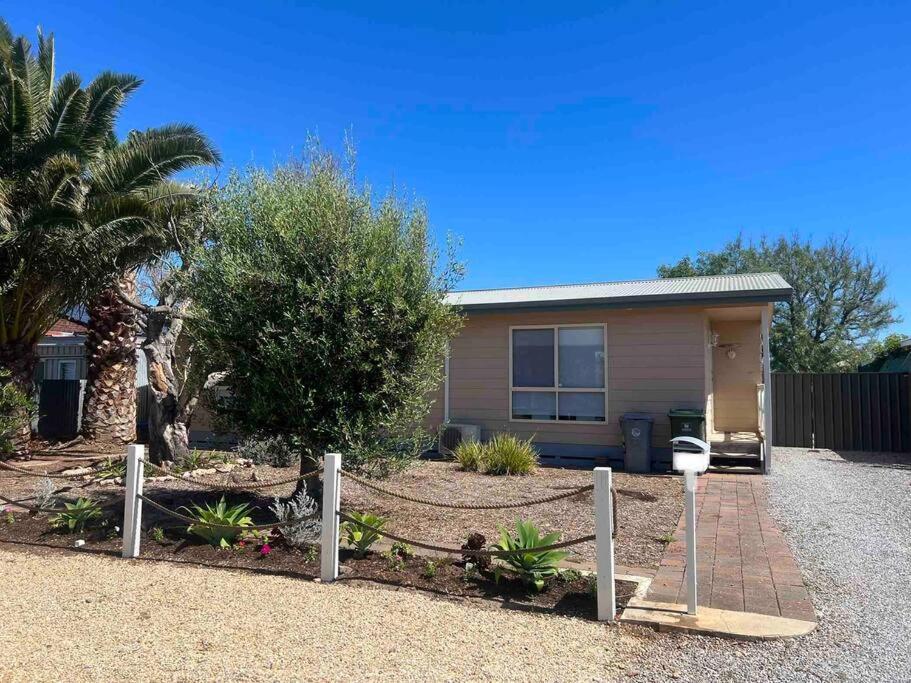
x=753, y=287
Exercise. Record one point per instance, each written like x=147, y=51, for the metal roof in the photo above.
x=748, y=288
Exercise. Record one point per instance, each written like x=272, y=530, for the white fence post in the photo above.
x=604, y=540
x=132, y=505
x=331, y=499
x=689, y=493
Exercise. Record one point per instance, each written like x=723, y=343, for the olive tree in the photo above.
x=325, y=305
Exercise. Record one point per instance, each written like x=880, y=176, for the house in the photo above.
x=562, y=364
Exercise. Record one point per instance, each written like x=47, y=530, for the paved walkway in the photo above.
x=743, y=560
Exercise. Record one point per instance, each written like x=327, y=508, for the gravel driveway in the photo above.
x=848, y=519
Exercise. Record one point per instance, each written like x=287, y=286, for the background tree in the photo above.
x=326, y=310
x=839, y=305
x=13, y=403
x=141, y=166
x=177, y=373
x=70, y=198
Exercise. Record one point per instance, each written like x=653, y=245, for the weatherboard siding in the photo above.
x=655, y=362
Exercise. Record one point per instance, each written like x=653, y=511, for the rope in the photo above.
x=196, y=522
x=466, y=551
x=237, y=486
x=468, y=506
x=31, y=508
x=29, y=473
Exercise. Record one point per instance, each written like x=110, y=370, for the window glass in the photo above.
x=67, y=370
x=534, y=405
x=533, y=358
x=581, y=357
x=576, y=405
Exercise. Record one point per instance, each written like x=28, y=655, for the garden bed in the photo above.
x=648, y=507
x=572, y=594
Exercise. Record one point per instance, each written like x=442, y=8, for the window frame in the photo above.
x=557, y=389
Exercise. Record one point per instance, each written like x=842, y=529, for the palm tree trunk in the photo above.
x=109, y=407
x=20, y=358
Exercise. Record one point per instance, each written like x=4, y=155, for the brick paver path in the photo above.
x=743, y=562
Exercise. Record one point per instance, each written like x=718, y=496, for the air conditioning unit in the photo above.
x=452, y=434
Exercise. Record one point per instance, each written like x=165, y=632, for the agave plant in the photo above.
x=77, y=515
x=361, y=538
x=532, y=566
x=223, y=515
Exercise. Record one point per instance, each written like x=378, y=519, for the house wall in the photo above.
x=735, y=380
x=656, y=360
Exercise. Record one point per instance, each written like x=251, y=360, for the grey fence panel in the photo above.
x=59, y=406
x=850, y=411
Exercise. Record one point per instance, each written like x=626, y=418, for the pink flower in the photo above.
x=265, y=550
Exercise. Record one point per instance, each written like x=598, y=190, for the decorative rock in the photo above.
x=78, y=470
x=224, y=468
x=164, y=477
x=244, y=462
x=79, y=543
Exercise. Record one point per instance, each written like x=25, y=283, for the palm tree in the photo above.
x=71, y=199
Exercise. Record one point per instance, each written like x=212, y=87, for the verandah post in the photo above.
x=132, y=504
x=332, y=465
x=604, y=542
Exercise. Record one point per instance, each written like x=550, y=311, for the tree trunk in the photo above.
x=20, y=359
x=109, y=408
x=168, y=428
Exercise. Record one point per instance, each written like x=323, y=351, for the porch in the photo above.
x=737, y=373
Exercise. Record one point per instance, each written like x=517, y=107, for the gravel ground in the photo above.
x=82, y=617
x=848, y=519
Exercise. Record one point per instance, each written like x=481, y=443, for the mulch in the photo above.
x=648, y=507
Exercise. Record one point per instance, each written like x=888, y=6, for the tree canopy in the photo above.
x=839, y=305
x=326, y=308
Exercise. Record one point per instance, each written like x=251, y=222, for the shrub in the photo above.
x=533, y=567
x=430, y=569
x=77, y=515
x=470, y=456
x=298, y=519
x=476, y=541
x=359, y=537
x=275, y=451
x=15, y=410
x=112, y=469
x=507, y=454
x=194, y=460
x=45, y=493
x=503, y=454
x=402, y=549
x=223, y=514
x=327, y=302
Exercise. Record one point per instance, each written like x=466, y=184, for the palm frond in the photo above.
x=46, y=59
x=148, y=157
x=68, y=107
x=106, y=95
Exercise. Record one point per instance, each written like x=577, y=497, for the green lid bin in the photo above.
x=687, y=422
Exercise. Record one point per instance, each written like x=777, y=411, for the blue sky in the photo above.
x=563, y=142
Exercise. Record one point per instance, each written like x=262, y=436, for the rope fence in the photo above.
x=467, y=551
x=50, y=475
x=467, y=506
x=234, y=486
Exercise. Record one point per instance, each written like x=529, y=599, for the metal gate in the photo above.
x=859, y=411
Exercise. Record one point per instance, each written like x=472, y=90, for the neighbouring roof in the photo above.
x=710, y=289
x=65, y=328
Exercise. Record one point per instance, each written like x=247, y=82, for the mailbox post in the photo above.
x=691, y=456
